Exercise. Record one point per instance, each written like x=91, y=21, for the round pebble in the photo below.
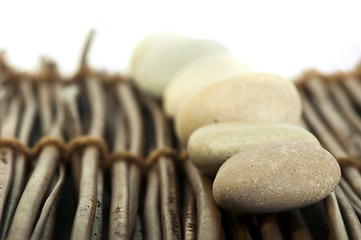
x=275, y=177
x=198, y=74
x=160, y=55
x=251, y=98
x=210, y=146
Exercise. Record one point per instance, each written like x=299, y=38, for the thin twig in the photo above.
x=345, y=105
x=151, y=214
x=119, y=208
x=97, y=230
x=85, y=52
x=128, y=103
x=353, y=87
x=20, y=161
x=7, y=154
x=337, y=225
x=296, y=226
x=39, y=181
x=327, y=139
x=50, y=223
x=353, y=177
x=351, y=220
x=138, y=229
x=48, y=205
x=330, y=114
x=189, y=213
x=269, y=227
x=85, y=212
x=208, y=213
x=320, y=217
x=73, y=128
x=355, y=200
x=171, y=227
x=238, y=227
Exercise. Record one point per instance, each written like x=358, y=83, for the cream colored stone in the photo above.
x=198, y=74
x=160, y=55
x=210, y=146
x=276, y=176
x=251, y=98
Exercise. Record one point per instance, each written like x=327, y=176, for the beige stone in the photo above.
x=210, y=146
x=251, y=98
x=276, y=176
x=160, y=55
x=199, y=73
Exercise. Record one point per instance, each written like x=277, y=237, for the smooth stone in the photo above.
x=160, y=55
x=275, y=177
x=210, y=146
x=251, y=98
x=200, y=73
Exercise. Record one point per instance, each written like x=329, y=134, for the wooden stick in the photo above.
x=171, y=228
x=331, y=116
x=353, y=177
x=48, y=205
x=269, y=227
x=138, y=229
x=152, y=223
x=97, y=230
x=345, y=105
x=189, y=213
x=73, y=128
x=351, y=220
x=131, y=108
x=50, y=223
x=151, y=209
x=320, y=217
x=208, y=213
x=337, y=225
x=38, y=183
x=20, y=162
x=7, y=155
x=353, y=87
x=126, y=185
x=327, y=139
x=126, y=97
x=355, y=200
x=85, y=212
x=119, y=205
x=238, y=227
x=46, y=118
x=119, y=210
x=295, y=225
x=6, y=93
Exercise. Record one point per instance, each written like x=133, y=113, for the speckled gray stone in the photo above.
x=276, y=176
x=210, y=146
x=250, y=98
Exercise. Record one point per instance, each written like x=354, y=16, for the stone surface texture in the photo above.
x=210, y=146
x=275, y=177
x=251, y=98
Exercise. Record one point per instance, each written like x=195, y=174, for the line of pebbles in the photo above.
x=239, y=127
x=254, y=169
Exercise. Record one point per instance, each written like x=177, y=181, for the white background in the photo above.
x=284, y=37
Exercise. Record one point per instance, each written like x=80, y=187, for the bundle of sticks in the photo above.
x=113, y=143
x=93, y=157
